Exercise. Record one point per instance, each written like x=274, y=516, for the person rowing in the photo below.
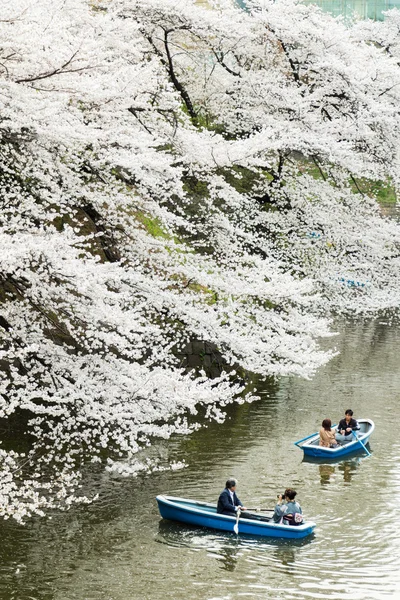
x=344, y=431
x=230, y=504
x=228, y=501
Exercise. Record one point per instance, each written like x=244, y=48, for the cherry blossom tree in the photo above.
x=168, y=173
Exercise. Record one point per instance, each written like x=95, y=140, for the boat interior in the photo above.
x=365, y=426
x=211, y=508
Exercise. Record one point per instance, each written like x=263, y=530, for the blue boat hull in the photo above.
x=311, y=446
x=203, y=514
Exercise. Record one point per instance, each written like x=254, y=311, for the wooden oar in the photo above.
x=361, y=443
x=261, y=509
x=236, y=525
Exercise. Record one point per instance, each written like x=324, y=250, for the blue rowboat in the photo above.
x=310, y=444
x=204, y=514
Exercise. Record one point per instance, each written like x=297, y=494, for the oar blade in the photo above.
x=236, y=525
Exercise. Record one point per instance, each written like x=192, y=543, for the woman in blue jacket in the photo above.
x=287, y=506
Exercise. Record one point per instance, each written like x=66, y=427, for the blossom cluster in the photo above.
x=169, y=172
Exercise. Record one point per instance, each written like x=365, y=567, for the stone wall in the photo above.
x=200, y=355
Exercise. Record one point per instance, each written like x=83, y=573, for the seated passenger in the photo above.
x=326, y=435
x=344, y=431
x=287, y=508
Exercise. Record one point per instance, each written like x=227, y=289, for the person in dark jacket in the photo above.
x=344, y=431
x=228, y=502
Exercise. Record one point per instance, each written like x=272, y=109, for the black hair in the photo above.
x=230, y=483
x=291, y=494
x=349, y=412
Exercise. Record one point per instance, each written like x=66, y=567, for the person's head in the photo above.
x=231, y=484
x=348, y=414
x=290, y=494
x=327, y=424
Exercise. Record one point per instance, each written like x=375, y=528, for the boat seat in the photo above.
x=247, y=515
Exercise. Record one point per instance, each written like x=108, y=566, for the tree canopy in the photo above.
x=169, y=172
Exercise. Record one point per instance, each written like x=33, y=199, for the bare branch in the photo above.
x=59, y=71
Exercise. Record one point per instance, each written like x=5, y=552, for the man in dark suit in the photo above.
x=228, y=502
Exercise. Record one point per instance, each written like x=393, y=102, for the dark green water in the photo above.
x=361, y=9
x=120, y=549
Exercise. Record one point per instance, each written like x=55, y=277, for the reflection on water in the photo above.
x=325, y=473
x=346, y=469
x=228, y=558
x=228, y=548
x=120, y=549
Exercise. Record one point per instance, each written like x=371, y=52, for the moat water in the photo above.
x=120, y=549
